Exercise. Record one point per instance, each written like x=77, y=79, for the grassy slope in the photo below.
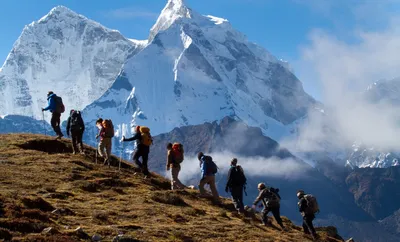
x=108, y=202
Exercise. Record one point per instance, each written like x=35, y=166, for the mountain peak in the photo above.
x=173, y=10
x=60, y=12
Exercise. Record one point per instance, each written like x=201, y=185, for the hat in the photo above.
x=261, y=186
x=49, y=93
x=234, y=161
x=300, y=193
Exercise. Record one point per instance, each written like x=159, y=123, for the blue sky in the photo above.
x=284, y=27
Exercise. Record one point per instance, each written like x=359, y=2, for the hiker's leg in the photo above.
x=178, y=182
x=308, y=221
x=240, y=198
x=74, y=141
x=305, y=227
x=213, y=187
x=235, y=190
x=56, y=127
x=79, y=140
x=277, y=215
x=264, y=216
x=145, y=158
x=108, y=148
x=53, y=122
x=174, y=177
x=202, y=183
x=136, y=157
x=101, y=148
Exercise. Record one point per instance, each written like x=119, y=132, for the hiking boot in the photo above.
x=82, y=152
x=73, y=152
x=58, y=137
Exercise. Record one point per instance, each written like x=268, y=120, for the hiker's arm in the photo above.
x=228, y=182
x=51, y=104
x=135, y=137
x=258, y=199
x=302, y=205
x=204, y=169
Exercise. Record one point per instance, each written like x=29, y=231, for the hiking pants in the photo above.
x=76, y=136
x=275, y=212
x=55, y=123
x=143, y=152
x=105, y=146
x=308, y=226
x=210, y=180
x=237, y=197
x=175, y=182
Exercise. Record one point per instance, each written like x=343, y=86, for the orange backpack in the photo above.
x=177, y=149
x=109, y=128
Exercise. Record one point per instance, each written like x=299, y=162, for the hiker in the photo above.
x=208, y=171
x=174, y=159
x=56, y=107
x=308, y=206
x=76, y=125
x=106, y=132
x=236, y=184
x=143, y=142
x=271, y=202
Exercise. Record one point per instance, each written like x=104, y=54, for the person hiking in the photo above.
x=143, y=142
x=271, y=202
x=56, y=107
x=174, y=160
x=208, y=170
x=76, y=125
x=235, y=184
x=105, y=144
x=308, y=207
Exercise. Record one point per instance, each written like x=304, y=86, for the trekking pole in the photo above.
x=44, y=126
x=120, y=157
x=96, y=149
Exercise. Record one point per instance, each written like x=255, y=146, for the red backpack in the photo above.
x=177, y=150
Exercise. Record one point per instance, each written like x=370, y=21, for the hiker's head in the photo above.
x=234, y=162
x=49, y=93
x=300, y=194
x=71, y=112
x=99, y=121
x=169, y=146
x=261, y=186
x=137, y=128
x=199, y=155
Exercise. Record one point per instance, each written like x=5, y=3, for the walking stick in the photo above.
x=96, y=149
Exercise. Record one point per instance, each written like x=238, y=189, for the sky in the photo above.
x=288, y=29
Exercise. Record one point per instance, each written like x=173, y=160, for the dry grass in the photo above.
x=39, y=174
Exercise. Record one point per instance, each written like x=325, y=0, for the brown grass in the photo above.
x=39, y=174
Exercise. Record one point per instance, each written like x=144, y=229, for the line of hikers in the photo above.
x=236, y=180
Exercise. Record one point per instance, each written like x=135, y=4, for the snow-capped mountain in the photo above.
x=197, y=69
x=67, y=53
x=369, y=157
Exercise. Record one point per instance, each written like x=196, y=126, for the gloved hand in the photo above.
x=42, y=109
x=123, y=138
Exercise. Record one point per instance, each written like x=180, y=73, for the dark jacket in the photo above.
x=268, y=199
x=51, y=103
x=81, y=125
x=230, y=181
x=303, y=208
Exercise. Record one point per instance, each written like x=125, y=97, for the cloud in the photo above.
x=253, y=166
x=131, y=13
x=344, y=70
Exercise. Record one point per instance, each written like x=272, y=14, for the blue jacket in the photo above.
x=203, y=168
x=51, y=103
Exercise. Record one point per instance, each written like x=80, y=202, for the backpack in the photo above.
x=76, y=120
x=271, y=198
x=177, y=150
x=275, y=191
x=109, y=128
x=212, y=168
x=237, y=176
x=60, y=108
x=312, y=203
x=146, y=136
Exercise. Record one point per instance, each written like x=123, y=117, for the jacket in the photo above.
x=171, y=160
x=303, y=208
x=51, y=103
x=268, y=199
x=230, y=182
x=138, y=138
x=203, y=168
x=81, y=124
